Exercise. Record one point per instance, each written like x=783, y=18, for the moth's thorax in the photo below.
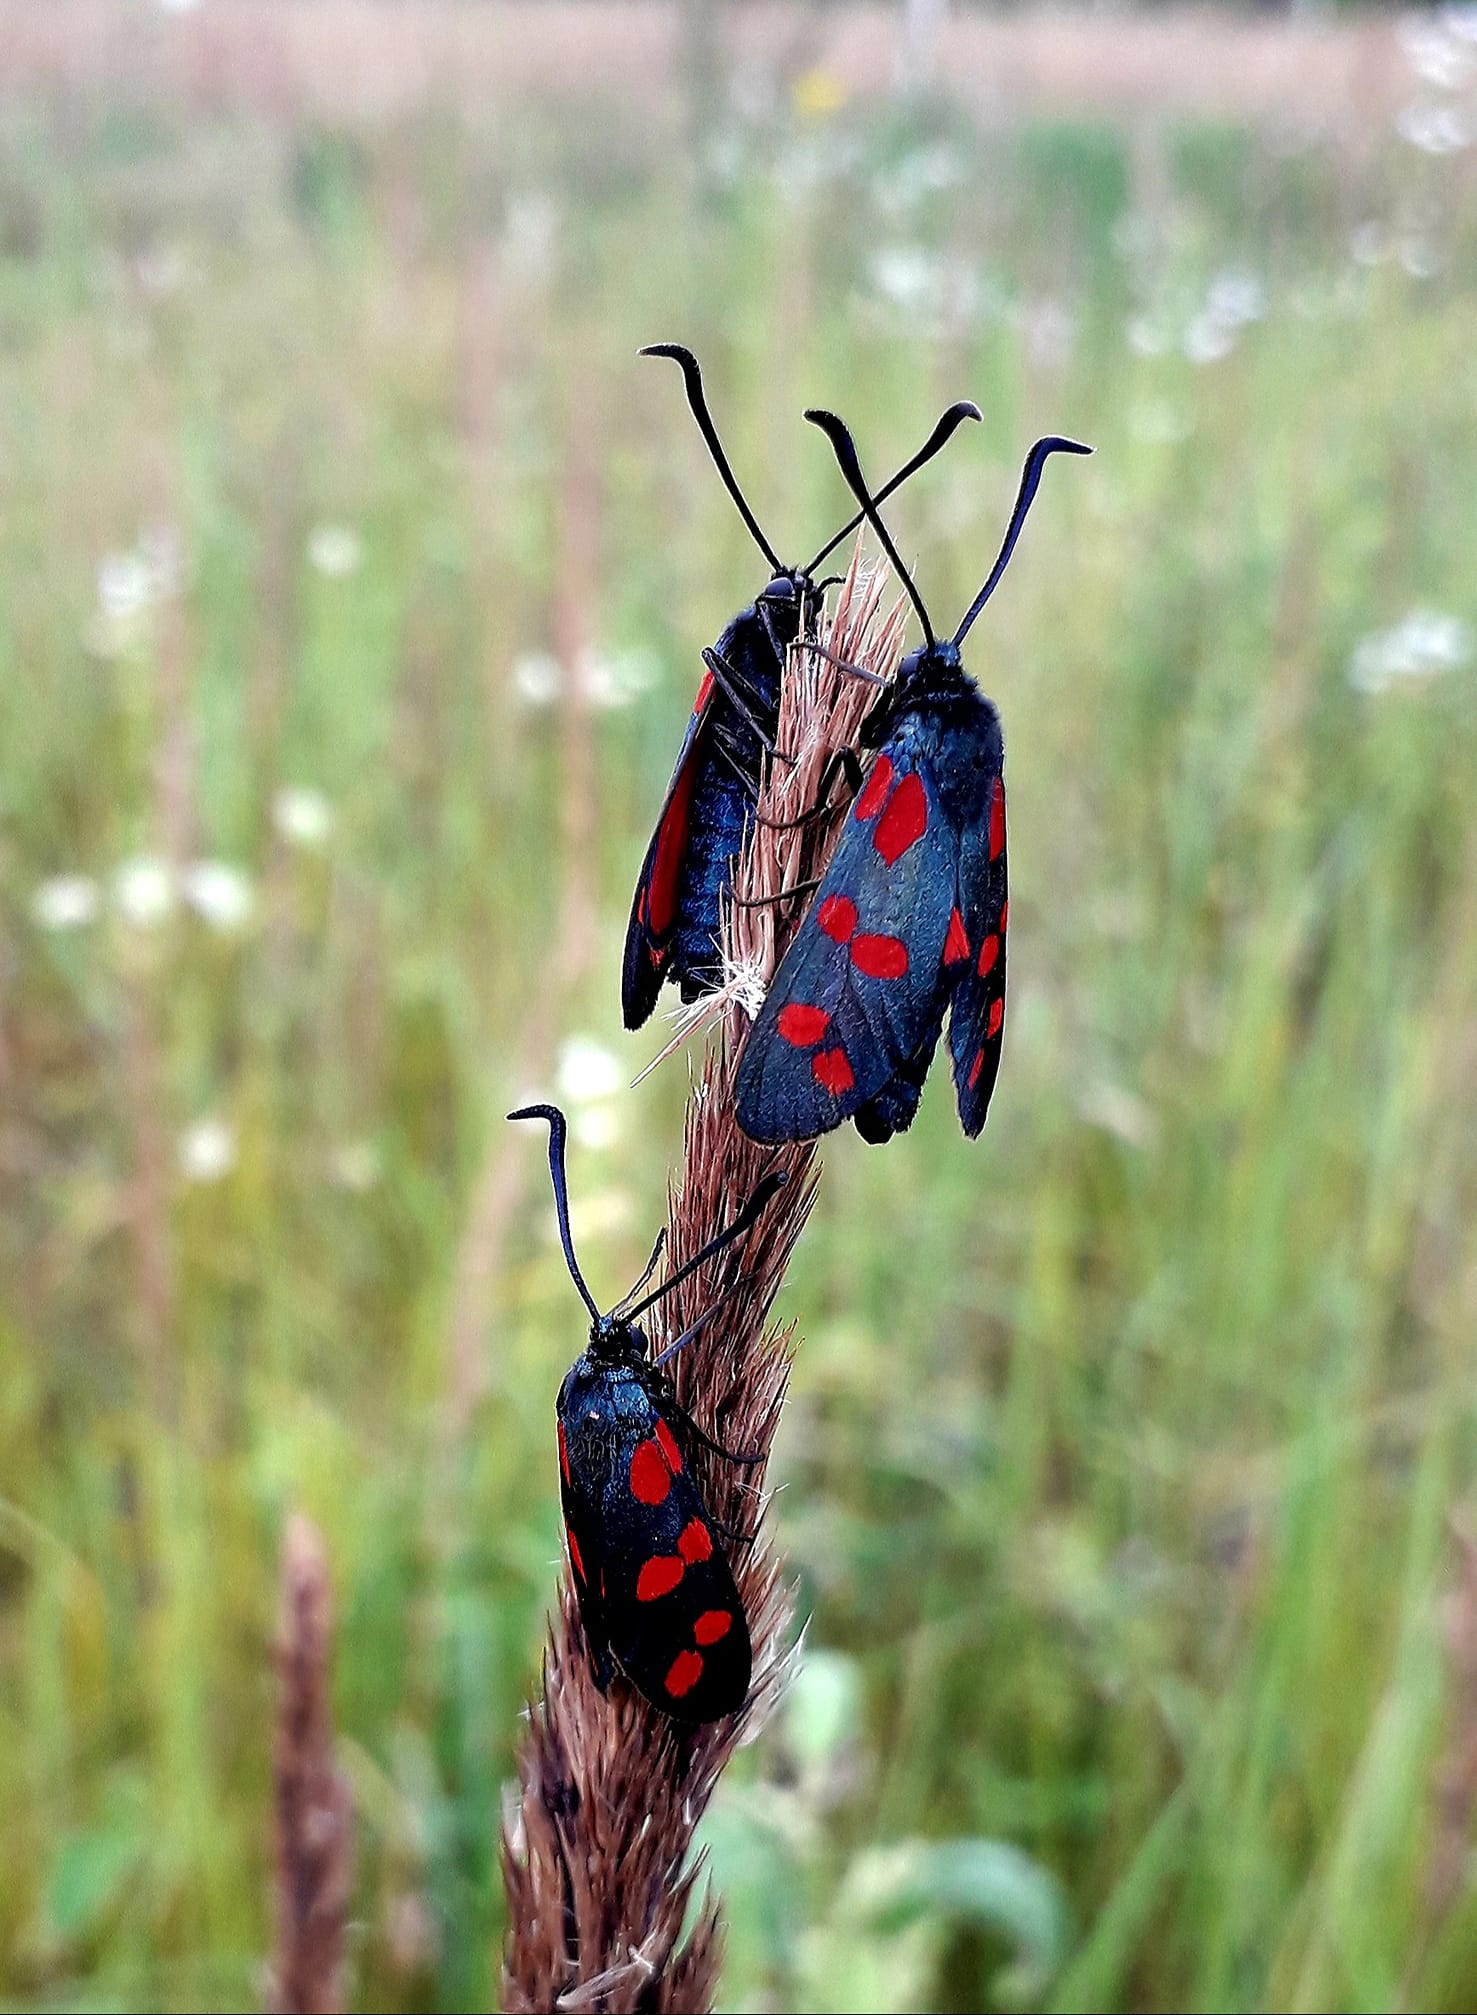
x=931, y=685
x=615, y=1341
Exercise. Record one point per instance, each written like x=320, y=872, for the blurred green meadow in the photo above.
x=352, y=577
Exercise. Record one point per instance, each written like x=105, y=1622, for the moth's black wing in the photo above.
x=858, y=992
x=977, y=1013
x=655, y=1576
x=654, y=907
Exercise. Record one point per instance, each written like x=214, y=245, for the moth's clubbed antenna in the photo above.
x=598, y=1858
x=558, y=1137
x=839, y=435
x=1030, y=483
x=948, y=425
x=692, y=377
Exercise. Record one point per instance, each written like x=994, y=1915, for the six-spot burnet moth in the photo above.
x=656, y=1593
x=910, y=916
x=676, y=912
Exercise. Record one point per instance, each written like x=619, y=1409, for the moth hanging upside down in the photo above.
x=910, y=916
x=677, y=911
x=656, y=1594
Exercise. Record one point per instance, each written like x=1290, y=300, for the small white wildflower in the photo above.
x=1434, y=129
x=1371, y=243
x=925, y=171
x=161, y=554
x=906, y=275
x=587, y=1071
x=65, y=902
x=303, y=817
x=1120, y=1112
x=355, y=1166
x=802, y=167
x=162, y=271
x=538, y=679
x=530, y=235
x=1207, y=339
x=144, y=892
x=926, y=286
x=1423, y=646
x=1420, y=257
x=613, y=680
x=334, y=551
x=1436, y=55
x=1048, y=329
x=220, y=894
x=1147, y=337
x=123, y=587
x=1461, y=21
x=207, y=1151
x=597, y=1127
x=1236, y=296
x=131, y=585
x=1161, y=423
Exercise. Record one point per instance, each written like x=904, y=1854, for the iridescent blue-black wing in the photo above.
x=658, y=886
x=977, y=1009
x=858, y=991
x=654, y=1587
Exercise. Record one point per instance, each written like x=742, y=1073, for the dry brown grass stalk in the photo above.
x=597, y=1856
x=314, y=1816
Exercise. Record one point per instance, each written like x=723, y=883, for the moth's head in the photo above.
x=614, y=1340
x=784, y=600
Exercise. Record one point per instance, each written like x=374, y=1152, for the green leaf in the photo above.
x=987, y=1883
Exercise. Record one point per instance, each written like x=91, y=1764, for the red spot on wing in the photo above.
x=687, y=1670
x=563, y=1453
x=837, y=917
x=880, y=958
x=832, y=1071
x=989, y=952
x=695, y=1542
x=650, y=1480
x=704, y=693
x=975, y=1068
x=669, y=1447
x=658, y=1577
x=997, y=1015
x=802, y=1025
x=875, y=788
x=997, y=818
x=711, y=1625
x=904, y=822
x=574, y=1552
x=671, y=846
x=956, y=944
x=1004, y=916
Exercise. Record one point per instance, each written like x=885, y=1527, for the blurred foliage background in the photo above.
x=352, y=577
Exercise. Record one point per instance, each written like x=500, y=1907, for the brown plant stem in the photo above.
x=597, y=1857
x=314, y=1815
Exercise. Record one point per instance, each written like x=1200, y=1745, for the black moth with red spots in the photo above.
x=676, y=919
x=911, y=915
x=656, y=1593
